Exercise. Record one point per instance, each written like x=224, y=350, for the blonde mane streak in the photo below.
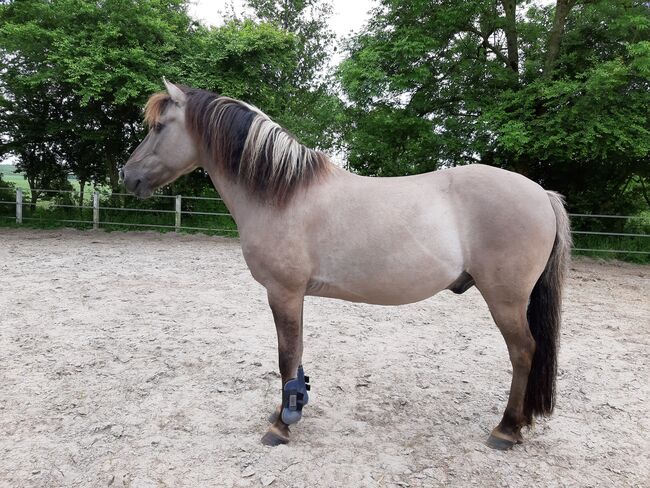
x=253, y=147
x=287, y=156
x=155, y=107
x=253, y=108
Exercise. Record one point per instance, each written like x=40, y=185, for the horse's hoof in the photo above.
x=274, y=437
x=275, y=415
x=499, y=443
x=519, y=438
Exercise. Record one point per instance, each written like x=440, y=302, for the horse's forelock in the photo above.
x=155, y=107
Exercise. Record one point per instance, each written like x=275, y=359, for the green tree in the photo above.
x=559, y=93
x=29, y=121
x=582, y=126
x=94, y=63
x=309, y=105
x=308, y=21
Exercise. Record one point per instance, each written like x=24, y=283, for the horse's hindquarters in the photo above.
x=507, y=228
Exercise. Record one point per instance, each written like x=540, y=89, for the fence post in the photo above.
x=19, y=205
x=96, y=210
x=178, y=213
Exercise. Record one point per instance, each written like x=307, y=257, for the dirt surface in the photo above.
x=145, y=360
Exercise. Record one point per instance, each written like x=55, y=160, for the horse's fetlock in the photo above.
x=512, y=421
x=295, y=397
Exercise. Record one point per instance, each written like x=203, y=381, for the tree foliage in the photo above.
x=77, y=72
x=310, y=108
x=308, y=21
x=559, y=93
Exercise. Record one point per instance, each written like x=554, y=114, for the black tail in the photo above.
x=544, y=317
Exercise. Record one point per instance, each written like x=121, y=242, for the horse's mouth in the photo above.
x=138, y=187
x=143, y=192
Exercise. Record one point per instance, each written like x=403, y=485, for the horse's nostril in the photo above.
x=137, y=183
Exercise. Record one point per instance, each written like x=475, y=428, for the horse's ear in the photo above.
x=175, y=93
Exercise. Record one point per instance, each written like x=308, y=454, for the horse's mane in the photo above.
x=250, y=147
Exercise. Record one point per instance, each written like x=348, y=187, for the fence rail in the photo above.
x=97, y=208
x=96, y=222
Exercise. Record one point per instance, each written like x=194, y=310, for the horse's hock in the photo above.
x=146, y=359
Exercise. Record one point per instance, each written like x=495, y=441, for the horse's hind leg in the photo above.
x=510, y=316
x=287, y=314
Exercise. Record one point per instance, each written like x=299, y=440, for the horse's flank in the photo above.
x=252, y=149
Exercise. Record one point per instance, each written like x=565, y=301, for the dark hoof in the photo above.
x=499, y=443
x=275, y=415
x=274, y=437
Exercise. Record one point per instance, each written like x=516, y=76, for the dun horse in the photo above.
x=308, y=227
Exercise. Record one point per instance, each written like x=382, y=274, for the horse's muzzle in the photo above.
x=136, y=184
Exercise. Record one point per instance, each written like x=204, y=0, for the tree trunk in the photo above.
x=510, y=8
x=644, y=192
x=34, y=198
x=562, y=9
x=82, y=187
x=113, y=174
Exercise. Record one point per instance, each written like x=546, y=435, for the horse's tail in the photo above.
x=544, y=314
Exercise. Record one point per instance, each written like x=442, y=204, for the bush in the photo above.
x=7, y=194
x=639, y=224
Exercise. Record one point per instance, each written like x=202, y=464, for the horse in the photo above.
x=309, y=227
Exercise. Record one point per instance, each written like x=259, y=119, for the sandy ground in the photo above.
x=148, y=360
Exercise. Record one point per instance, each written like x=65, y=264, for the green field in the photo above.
x=9, y=175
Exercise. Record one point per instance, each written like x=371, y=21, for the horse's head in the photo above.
x=168, y=151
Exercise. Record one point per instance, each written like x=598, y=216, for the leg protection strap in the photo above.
x=294, y=397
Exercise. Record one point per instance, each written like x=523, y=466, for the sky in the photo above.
x=349, y=15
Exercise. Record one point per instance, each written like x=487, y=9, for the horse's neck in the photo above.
x=243, y=206
x=236, y=198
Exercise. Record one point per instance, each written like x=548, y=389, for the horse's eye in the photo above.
x=158, y=127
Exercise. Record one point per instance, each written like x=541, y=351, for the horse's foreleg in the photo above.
x=287, y=314
x=511, y=320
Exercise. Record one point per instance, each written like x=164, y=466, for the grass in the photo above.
x=9, y=175
x=639, y=224
x=125, y=213
x=618, y=243
x=7, y=171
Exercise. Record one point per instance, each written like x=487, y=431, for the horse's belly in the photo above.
x=398, y=293
x=405, y=276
